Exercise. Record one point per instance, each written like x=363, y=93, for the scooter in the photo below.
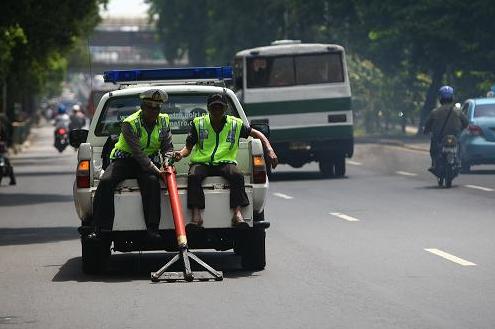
x=447, y=163
x=61, y=138
x=6, y=169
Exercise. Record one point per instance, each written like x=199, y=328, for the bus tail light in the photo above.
x=82, y=175
x=259, y=170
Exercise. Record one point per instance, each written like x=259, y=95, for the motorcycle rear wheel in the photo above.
x=449, y=177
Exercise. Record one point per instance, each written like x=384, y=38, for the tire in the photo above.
x=340, y=167
x=95, y=256
x=253, y=250
x=326, y=165
x=448, y=177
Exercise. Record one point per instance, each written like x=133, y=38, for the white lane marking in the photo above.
x=476, y=187
x=344, y=217
x=450, y=257
x=354, y=163
x=283, y=196
x=405, y=173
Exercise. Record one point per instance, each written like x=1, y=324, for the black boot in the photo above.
x=153, y=235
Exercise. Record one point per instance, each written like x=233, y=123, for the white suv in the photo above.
x=187, y=99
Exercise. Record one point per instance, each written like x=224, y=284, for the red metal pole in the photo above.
x=180, y=230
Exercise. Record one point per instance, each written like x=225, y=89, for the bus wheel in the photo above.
x=340, y=167
x=326, y=165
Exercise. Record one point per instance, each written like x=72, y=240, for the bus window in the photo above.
x=270, y=72
x=319, y=68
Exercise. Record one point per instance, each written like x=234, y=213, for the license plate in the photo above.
x=299, y=146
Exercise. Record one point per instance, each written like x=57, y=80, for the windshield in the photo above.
x=484, y=110
x=294, y=70
x=181, y=109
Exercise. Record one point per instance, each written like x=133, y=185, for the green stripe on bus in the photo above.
x=311, y=133
x=299, y=106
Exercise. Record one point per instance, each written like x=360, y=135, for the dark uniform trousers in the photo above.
x=198, y=172
x=117, y=171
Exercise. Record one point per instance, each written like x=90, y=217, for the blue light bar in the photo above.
x=186, y=73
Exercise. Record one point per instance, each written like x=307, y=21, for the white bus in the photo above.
x=302, y=91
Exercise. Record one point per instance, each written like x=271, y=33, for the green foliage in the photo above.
x=401, y=51
x=35, y=38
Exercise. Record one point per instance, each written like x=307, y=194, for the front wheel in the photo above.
x=253, y=250
x=448, y=177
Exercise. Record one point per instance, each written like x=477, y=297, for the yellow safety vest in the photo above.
x=213, y=148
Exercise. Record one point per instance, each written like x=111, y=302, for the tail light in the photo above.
x=62, y=131
x=475, y=130
x=82, y=175
x=259, y=170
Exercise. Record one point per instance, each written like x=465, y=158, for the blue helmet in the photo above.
x=446, y=95
x=62, y=109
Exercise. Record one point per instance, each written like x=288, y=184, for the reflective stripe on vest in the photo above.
x=203, y=133
x=231, y=135
x=137, y=124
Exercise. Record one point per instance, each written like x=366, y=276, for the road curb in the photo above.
x=391, y=142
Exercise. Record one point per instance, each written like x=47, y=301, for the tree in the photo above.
x=430, y=36
x=36, y=37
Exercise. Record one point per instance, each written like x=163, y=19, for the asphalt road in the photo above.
x=381, y=248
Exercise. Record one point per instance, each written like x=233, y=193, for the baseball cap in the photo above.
x=216, y=99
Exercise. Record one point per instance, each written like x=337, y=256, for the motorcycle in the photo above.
x=447, y=163
x=61, y=138
x=6, y=169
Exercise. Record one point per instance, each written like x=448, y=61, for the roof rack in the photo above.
x=185, y=75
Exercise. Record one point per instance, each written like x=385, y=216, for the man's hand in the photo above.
x=272, y=158
x=177, y=156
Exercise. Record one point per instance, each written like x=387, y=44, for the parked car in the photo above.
x=477, y=141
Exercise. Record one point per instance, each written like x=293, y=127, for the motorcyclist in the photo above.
x=444, y=120
x=4, y=154
x=62, y=120
x=77, y=118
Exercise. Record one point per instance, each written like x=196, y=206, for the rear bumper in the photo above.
x=218, y=238
x=478, y=151
x=313, y=150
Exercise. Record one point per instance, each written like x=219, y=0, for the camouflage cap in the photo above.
x=154, y=97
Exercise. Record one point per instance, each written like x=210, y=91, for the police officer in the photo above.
x=443, y=121
x=215, y=139
x=145, y=134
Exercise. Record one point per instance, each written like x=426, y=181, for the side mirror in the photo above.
x=262, y=126
x=77, y=136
